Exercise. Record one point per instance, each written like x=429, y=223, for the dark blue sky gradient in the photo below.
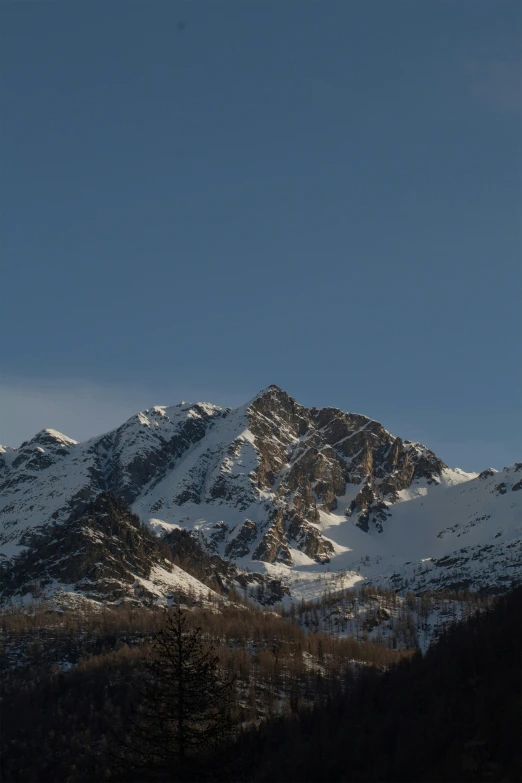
x=215, y=196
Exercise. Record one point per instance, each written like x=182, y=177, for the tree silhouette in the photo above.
x=184, y=705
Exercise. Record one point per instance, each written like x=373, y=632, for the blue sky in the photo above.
x=200, y=199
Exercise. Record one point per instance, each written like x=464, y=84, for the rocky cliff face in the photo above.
x=266, y=472
x=106, y=555
x=103, y=553
x=51, y=476
x=263, y=483
x=257, y=477
x=308, y=458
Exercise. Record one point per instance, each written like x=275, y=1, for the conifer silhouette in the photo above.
x=184, y=706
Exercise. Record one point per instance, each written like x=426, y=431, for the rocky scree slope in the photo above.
x=104, y=554
x=272, y=486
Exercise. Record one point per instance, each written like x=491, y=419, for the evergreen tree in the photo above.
x=184, y=707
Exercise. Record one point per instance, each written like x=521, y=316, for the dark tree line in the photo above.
x=452, y=715
x=155, y=701
x=72, y=680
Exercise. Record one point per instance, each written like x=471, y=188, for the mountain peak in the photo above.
x=270, y=482
x=50, y=438
x=272, y=392
x=268, y=391
x=54, y=435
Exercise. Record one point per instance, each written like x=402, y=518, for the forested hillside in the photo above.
x=308, y=706
x=70, y=679
x=451, y=715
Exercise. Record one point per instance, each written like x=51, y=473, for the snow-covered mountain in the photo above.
x=291, y=492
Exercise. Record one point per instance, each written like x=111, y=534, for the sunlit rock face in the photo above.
x=271, y=482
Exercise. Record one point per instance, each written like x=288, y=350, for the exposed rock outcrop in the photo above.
x=100, y=553
x=264, y=474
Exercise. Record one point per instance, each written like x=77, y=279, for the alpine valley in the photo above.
x=274, y=499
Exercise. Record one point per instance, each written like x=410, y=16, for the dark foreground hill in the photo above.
x=70, y=679
x=452, y=715
x=313, y=707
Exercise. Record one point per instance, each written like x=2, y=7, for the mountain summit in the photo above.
x=272, y=486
